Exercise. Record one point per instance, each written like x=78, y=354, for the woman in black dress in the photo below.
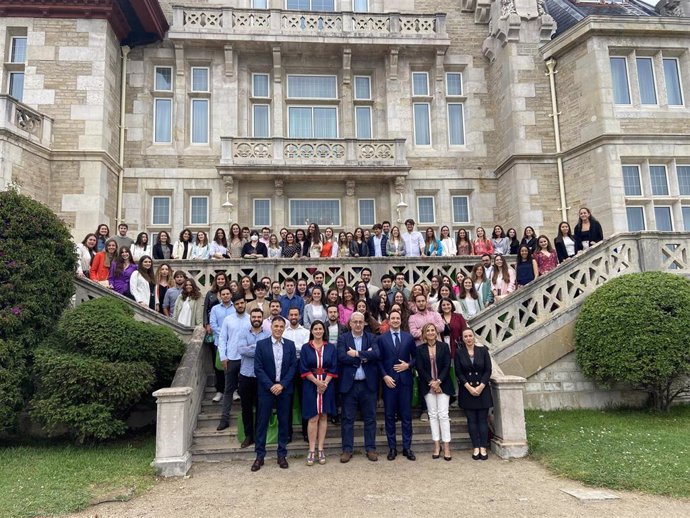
x=473, y=370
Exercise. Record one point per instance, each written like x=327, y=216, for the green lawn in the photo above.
x=619, y=449
x=45, y=479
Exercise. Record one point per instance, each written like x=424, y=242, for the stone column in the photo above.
x=510, y=434
x=277, y=107
x=346, y=105
x=173, y=458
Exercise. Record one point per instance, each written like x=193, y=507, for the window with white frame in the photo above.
x=310, y=5
x=200, y=105
x=461, y=209
x=659, y=180
x=163, y=80
x=262, y=212
x=685, y=210
x=360, y=6
x=18, y=49
x=367, y=212
x=635, y=218
x=426, y=210
x=312, y=121
x=322, y=212
x=455, y=109
x=15, y=63
x=619, y=76
x=260, y=86
x=260, y=4
x=363, y=111
x=421, y=109
x=198, y=210
x=663, y=217
x=645, y=80
x=261, y=121
x=683, y=174
x=15, y=87
x=631, y=180
x=674, y=91
x=162, y=120
x=160, y=210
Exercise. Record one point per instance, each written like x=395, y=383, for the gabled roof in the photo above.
x=567, y=13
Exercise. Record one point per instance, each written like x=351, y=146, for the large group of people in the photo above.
x=337, y=346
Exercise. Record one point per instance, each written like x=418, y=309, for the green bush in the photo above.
x=37, y=264
x=13, y=378
x=99, y=364
x=636, y=329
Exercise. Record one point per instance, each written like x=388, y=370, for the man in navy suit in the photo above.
x=398, y=350
x=275, y=365
x=358, y=354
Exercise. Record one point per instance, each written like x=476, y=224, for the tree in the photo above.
x=636, y=329
x=37, y=265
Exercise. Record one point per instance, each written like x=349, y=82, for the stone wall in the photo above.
x=562, y=385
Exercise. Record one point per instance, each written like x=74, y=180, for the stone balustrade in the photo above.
x=284, y=152
x=205, y=22
x=25, y=121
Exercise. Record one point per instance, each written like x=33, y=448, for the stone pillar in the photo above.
x=173, y=458
x=347, y=108
x=349, y=211
x=510, y=434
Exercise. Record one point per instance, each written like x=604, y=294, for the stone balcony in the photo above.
x=317, y=158
x=25, y=122
x=229, y=24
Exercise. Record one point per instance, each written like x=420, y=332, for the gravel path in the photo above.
x=383, y=489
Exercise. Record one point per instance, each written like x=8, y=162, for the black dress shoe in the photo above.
x=247, y=442
x=476, y=457
x=484, y=457
x=223, y=425
x=283, y=463
x=392, y=454
x=256, y=466
x=409, y=454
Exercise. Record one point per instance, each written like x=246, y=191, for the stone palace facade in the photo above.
x=194, y=113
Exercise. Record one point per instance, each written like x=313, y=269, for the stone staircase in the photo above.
x=209, y=445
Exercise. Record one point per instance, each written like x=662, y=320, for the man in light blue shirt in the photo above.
x=233, y=327
x=215, y=320
x=247, y=382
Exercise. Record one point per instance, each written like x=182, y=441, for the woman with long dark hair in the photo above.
x=564, y=242
x=314, y=240
x=164, y=280
x=141, y=247
x=513, y=240
x=102, y=236
x=291, y=248
x=189, y=308
x=201, y=248
x=120, y=272
x=100, y=266
x=142, y=283
x=500, y=240
x=358, y=245
x=183, y=248
x=503, y=278
x=453, y=324
x=347, y=306
x=482, y=245
x=432, y=246
x=86, y=250
x=318, y=366
x=526, y=268
x=529, y=239
x=463, y=243
x=546, y=256
x=588, y=231
x=236, y=241
x=470, y=301
x=219, y=245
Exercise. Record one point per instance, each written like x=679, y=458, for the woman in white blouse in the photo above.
x=142, y=283
x=447, y=242
x=274, y=250
x=85, y=252
x=395, y=245
x=182, y=249
x=564, y=242
x=141, y=247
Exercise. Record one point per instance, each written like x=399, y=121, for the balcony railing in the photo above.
x=25, y=121
x=188, y=21
x=282, y=152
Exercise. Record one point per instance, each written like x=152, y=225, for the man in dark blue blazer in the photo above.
x=358, y=354
x=275, y=366
x=398, y=351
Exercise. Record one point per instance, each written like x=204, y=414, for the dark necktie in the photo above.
x=396, y=341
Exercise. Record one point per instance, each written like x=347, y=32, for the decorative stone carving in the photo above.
x=229, y=184
x=350, y=187
x=393, y=64
x=399, y=184
x=679, y=8
x=229, y=61
x=347, y=69
x=277, y=65
x=179, y=59
x=278, y=187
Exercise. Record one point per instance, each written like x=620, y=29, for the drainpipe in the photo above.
x=121, y=154
x=551, y=66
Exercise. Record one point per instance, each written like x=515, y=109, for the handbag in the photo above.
x=208, y=339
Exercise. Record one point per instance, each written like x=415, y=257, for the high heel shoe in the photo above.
x=435, y=455
x=310, y=459
x=322, y=457
x=447, y=457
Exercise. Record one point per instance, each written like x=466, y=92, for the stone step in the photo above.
x=421, y=444
x=206, y=433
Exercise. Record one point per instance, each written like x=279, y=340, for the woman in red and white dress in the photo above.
x=318, y=365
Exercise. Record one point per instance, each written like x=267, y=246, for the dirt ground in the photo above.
x=426, y=487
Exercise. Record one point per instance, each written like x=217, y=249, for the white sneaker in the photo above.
x=217, y=397
x=235, y=396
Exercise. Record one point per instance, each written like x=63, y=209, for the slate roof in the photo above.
x=567, y=13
